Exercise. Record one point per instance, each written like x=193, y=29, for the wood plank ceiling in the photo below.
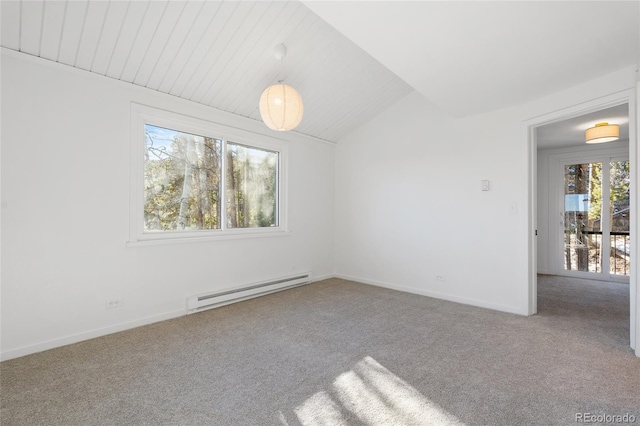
x=219, y=54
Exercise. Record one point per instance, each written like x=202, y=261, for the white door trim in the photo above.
x=623, y=97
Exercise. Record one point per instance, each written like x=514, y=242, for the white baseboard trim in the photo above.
x=91, y=334
x=322, y=277
x=436, y=295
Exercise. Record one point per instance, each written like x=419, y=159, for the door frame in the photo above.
x=628, y=97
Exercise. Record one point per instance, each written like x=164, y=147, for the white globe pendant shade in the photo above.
x=281, y=107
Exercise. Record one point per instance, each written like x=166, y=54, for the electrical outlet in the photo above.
x=441, y=277
x=113, y=303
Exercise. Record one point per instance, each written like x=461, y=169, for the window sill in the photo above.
x=160, y=241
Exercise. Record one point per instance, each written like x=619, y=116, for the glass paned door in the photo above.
x=582, y=217
x=596, y=218
x=619, y=213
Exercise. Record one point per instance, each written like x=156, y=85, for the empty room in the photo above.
x=319, y=212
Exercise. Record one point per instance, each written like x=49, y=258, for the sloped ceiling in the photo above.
x=473, y=57
x=349, y=60
x=215, y=53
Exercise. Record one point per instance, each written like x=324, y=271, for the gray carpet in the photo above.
x=338, y=352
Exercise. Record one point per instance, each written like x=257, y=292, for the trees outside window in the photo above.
x=597, y=234
x=194, y=183
x=251, y=187
x=181, y=181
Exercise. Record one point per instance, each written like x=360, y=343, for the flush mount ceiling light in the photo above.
x=602, y=132
x=280, y=104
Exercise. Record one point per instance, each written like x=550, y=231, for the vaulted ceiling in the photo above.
x=219, y=54
x=349, y=60
x=470, y=57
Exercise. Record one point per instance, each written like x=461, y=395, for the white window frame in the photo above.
x=141, y=115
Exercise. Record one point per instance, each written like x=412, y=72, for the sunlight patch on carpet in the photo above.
x=375, y=396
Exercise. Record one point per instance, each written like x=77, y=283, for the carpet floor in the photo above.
x=342, y=353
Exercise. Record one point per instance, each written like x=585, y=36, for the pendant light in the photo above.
x=281, y=106
x=602, y=132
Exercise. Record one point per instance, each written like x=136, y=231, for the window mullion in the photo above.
x=223, y=186
x=277, y=189
x=605, y=219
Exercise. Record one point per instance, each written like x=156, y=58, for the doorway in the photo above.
x=582, y=199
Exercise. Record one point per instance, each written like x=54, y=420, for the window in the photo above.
x=252, y=187
x=181, y=181
x=193, y=179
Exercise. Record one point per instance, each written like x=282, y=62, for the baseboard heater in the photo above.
x=206, y=301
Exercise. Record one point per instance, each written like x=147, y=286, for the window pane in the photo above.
x=181, y=181
x=582, y=217
x=619, y=260
x=252, y=181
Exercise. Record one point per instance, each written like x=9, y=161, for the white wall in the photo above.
x=542, y=211
x=65, y=219
x=405, y=187
x=409, y=204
